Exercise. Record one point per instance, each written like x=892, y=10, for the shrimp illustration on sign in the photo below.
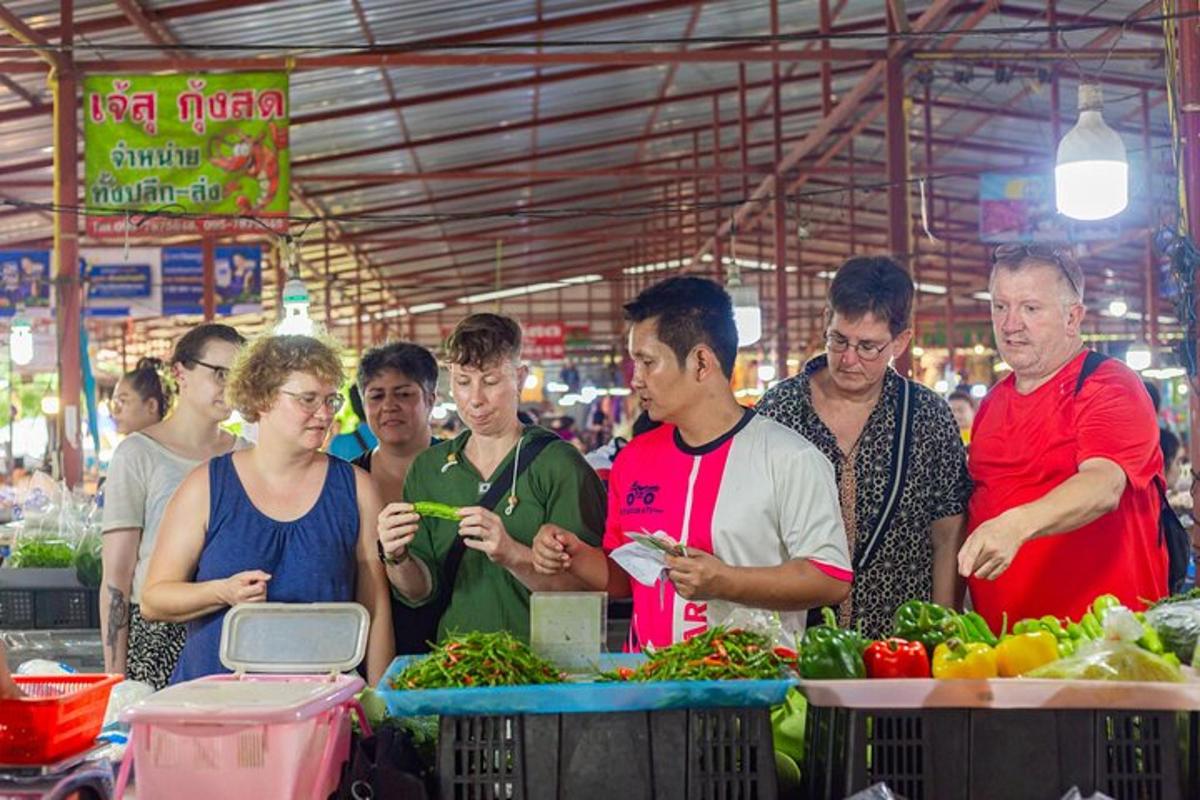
x=256, y=158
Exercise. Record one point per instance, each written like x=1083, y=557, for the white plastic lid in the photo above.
x=294, y=638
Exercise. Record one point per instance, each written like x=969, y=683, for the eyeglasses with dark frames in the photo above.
x=220, y=374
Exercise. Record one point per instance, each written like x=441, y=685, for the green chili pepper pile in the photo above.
x=478, y=659
x=437, y=510
x=717, y=654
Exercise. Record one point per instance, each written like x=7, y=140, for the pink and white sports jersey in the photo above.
x=758, y=496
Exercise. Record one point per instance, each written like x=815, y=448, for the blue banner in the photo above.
x=24, y=280
x=237, y=278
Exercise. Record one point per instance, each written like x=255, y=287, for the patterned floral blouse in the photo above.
x=937, y=486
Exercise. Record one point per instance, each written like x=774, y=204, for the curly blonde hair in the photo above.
x=263, y=366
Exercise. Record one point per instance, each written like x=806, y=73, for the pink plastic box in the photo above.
x=283, y=735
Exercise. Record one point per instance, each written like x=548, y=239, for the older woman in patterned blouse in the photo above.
x=900, y=464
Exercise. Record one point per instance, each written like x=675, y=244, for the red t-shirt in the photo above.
x=1024, y=446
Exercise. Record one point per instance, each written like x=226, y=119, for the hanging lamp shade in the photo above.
x=1091, y=173
x=20, y=341
x=296, y=321
x=747, y=313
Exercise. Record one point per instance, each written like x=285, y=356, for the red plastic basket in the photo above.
x=60, y=716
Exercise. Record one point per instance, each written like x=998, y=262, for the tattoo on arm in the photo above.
x=118, y=617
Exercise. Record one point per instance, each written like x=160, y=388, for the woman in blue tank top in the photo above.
x=281, y=521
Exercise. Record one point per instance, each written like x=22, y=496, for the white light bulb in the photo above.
x=766, y=373
x=1118, y=308
x=1091, y=173
x=747, y=313
x=941, y=387
x=531, y=381
x=1138, y=357
x=439, y=412
x=50, y=405
x=296, y=321
x=20, y=341
x=978, y=391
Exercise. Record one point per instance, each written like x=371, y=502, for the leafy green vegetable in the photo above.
x=1178, y=626
x=88, y=564
x=42, y=552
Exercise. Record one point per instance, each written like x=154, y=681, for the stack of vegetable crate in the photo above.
x=985, y=737
x=628, y=736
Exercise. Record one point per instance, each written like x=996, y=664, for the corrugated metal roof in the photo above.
x=478, y=132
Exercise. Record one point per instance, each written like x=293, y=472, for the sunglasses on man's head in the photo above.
x=1017, y=252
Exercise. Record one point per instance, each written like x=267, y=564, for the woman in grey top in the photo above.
x=145, y=470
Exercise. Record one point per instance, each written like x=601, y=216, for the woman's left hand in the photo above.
x=484, y=531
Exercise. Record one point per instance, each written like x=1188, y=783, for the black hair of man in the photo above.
x=410, y=360
x=874, y=285
x=689, y=311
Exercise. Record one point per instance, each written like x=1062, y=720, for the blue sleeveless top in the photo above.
x=310, y=560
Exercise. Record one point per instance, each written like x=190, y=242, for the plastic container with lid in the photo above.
x=278, y=727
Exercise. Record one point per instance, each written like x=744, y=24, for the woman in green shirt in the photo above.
x=557, y=488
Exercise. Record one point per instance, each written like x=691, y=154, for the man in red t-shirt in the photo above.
x=1065, y=507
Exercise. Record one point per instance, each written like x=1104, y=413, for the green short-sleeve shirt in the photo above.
x=558, y=487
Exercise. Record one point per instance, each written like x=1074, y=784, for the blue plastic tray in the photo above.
x=577, y=698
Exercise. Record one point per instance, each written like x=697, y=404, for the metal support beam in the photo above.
x=66, y=254
x=1189, y=110
x=207, y=256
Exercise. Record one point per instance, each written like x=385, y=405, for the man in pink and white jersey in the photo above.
x=753, y=502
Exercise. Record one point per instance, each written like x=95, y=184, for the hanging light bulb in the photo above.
x=296, y=321
x=20, y=340
x=1118, y=308
x=1091, y=173
x=747, y=313
x=1138, y=357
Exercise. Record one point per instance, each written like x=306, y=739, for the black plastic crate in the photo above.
x=697, y=754
x=991, y=754
x=48, y=609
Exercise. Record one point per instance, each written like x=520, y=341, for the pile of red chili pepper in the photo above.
x=478, y=659
x=717, y=654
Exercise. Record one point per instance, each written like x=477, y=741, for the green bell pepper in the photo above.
x=929, y=624
x=830, y=653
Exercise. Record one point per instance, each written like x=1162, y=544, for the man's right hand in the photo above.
x=553, y=549
x=398, y=524
x=245, y=587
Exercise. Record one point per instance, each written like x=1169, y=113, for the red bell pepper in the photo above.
x=896, y=658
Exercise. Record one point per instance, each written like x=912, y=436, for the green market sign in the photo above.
x=209, y=152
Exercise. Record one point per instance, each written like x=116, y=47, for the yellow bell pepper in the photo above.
x=1019, y=654
x=954, y=659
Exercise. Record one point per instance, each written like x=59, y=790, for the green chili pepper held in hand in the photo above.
x=830, y=653
x=437, y=510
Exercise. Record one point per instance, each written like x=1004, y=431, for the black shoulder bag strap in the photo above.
x=1171, y=531
x=902, y=439
x=496, y=493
